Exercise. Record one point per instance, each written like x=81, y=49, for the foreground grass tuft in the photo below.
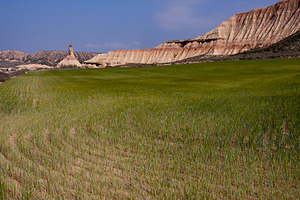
x=226, y=130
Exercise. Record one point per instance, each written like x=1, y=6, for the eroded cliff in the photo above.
x=244, y=31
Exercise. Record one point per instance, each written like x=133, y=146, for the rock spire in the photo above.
x=71, y=53
x=69, y=61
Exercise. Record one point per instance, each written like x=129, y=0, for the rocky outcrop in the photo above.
x=4, y=76
x=287, y=48
x=51, y=58
x=69, y=61
x=13, y=55
x=31, y=67
x=244, y=31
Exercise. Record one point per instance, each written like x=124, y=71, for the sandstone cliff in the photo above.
x=244, y=31
x=286, y=48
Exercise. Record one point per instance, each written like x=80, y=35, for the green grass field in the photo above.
x=224, y=130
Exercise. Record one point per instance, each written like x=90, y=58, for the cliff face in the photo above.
x=244, y=31
x=51, y=58
x=286, y=48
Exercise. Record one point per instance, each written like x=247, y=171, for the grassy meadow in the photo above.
x=223, y=130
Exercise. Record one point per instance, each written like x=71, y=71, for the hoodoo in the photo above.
x=69, y=61
x=244, y=31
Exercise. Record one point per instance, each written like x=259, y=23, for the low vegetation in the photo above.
x=225, y=130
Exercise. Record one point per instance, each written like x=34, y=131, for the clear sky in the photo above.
x=103, y=25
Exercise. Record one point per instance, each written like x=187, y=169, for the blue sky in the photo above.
x=103, y=25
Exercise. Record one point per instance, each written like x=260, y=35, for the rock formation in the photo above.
x=14, y=58
x=4, y=77
x=33, y=67
x=244, y=31
x=12, y=55
x=52, y=58
x=289, y=47
x=69, y=61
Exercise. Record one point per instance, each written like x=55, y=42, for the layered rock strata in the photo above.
x=244, y=31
